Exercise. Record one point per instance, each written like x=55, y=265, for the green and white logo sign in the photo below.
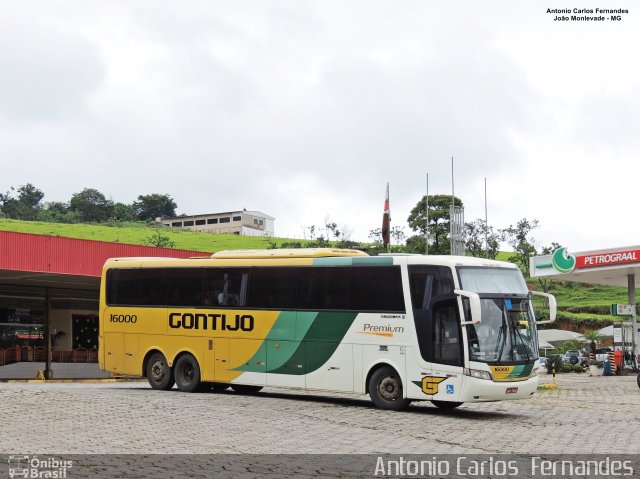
x=563, y=261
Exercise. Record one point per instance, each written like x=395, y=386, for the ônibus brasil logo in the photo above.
x=563, y=261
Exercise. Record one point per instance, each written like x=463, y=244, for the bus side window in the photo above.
x=234, y=293
x=185, y=287
x=213, y=288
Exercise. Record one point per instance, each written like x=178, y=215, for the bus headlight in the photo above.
x=476, y=373
x=535, y=372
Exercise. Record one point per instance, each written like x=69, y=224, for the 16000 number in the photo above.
x=124, y=318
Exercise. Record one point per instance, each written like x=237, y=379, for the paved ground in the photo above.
x=584, y=415
x=25, y=370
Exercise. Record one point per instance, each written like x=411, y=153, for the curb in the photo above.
x=78, y=380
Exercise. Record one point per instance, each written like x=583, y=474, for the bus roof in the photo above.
x=286, y=253
x=304, y=257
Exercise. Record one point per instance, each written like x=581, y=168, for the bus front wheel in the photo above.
x=159, y=374
x=385, y=389
x=187, y=374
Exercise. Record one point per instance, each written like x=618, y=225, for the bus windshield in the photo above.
x=493, y=280
x=506, y=332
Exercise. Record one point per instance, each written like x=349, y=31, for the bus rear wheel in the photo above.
x=159, y=374
x=446, y=404
x=385, y=389
x=246, y=389
x=187, y=374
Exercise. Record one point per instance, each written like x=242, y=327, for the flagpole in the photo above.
x=486, y=223
x=386, y=222
x=426, y=230
x=452, y=214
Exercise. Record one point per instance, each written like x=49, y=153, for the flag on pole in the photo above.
x=386, y=220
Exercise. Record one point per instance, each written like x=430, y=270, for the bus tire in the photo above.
x=187, y=374
x=446, y=404
x=246, y=389
x=159, y=374
x=385, y=389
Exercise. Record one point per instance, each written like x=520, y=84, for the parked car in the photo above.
x=573, y=356
x=543, y=362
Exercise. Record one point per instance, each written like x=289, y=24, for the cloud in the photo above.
x=303, y=109
x=47, y=73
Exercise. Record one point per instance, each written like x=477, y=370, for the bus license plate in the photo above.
x=512, y=390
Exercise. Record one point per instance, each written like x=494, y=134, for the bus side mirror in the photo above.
x=474, y=305
x=552, y=306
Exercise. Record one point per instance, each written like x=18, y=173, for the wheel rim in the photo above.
x=187, y=373
x=389, y=388
x=157, y=371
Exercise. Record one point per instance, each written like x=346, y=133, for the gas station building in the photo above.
x=613, y=267
x=49, y=296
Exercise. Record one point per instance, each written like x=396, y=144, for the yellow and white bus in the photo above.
x=397, y=327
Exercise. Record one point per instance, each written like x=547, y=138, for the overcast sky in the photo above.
x=305, y=109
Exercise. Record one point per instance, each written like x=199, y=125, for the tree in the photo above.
x=397, y=233
x=123, y=212
x=29, y=198
x=551, y=249
x=415, y=244
x=376, y=235
x=91, y=205
x=58, y=212
x=519, y=238
x=26, y=206
x=481, y=240
x=159, y=240
x=8, y=204
x=148, y=207
x=594, y=338
x=331, y=228
x=438, y=222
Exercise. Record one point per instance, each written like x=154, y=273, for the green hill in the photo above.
x=139, y=233
x=584, y=306
x=579, y=306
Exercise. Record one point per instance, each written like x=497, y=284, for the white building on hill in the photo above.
x=244, y=223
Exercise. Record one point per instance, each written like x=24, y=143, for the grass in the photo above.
x=584, y=304
x=138, y=233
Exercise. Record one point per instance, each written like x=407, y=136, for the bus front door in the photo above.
x=446, y=354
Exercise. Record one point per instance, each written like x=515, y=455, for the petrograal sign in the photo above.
x=561, y=261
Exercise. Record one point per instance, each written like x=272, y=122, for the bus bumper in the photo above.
x=478, y=390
